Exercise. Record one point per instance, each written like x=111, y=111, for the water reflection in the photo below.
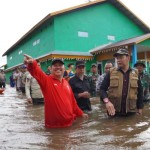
x=22, y=127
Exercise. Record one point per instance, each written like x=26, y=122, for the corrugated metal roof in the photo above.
x=121, y=43
x=116, y=3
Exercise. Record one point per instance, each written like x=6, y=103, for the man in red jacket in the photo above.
x=60, y=105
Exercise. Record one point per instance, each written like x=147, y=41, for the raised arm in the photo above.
x=35, y=70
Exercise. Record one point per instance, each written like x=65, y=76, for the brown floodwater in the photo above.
x=22, y=127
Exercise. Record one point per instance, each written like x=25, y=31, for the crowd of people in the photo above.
x=66, y=93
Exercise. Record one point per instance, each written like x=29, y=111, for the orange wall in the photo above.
x=142, y=55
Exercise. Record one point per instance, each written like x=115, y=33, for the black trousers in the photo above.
x=23, y=90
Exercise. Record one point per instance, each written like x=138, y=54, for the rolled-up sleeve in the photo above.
x=104, y=86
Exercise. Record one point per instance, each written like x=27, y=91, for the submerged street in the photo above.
x=22, y=127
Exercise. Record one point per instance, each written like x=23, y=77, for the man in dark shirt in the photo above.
x=80, y=85
x=121, y=89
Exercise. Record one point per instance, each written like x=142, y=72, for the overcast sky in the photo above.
x=19, y=16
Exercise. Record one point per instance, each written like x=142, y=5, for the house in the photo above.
x=138, y=47
x=72, y=32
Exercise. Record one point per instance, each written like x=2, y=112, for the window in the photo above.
x=111, y=37
x=20, y=52
x=36, y=42
x=83, y=34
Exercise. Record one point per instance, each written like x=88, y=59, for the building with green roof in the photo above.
x=71, y=34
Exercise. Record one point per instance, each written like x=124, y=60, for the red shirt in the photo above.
x=61, y=108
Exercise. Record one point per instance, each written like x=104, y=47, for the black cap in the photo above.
x=139, y=63
x=57, y=60
x=121, y=51
x=94, y=65
x=80, y=63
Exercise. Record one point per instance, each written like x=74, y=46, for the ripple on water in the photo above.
x=22, y=127
x=142, y=124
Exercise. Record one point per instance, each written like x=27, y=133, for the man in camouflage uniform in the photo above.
x=145, y=79
x=94, y=77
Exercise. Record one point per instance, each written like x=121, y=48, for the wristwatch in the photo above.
x=106, y=100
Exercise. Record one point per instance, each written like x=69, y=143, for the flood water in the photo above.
x=22, y=127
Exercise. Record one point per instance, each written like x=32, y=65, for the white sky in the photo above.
x=19, y=16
